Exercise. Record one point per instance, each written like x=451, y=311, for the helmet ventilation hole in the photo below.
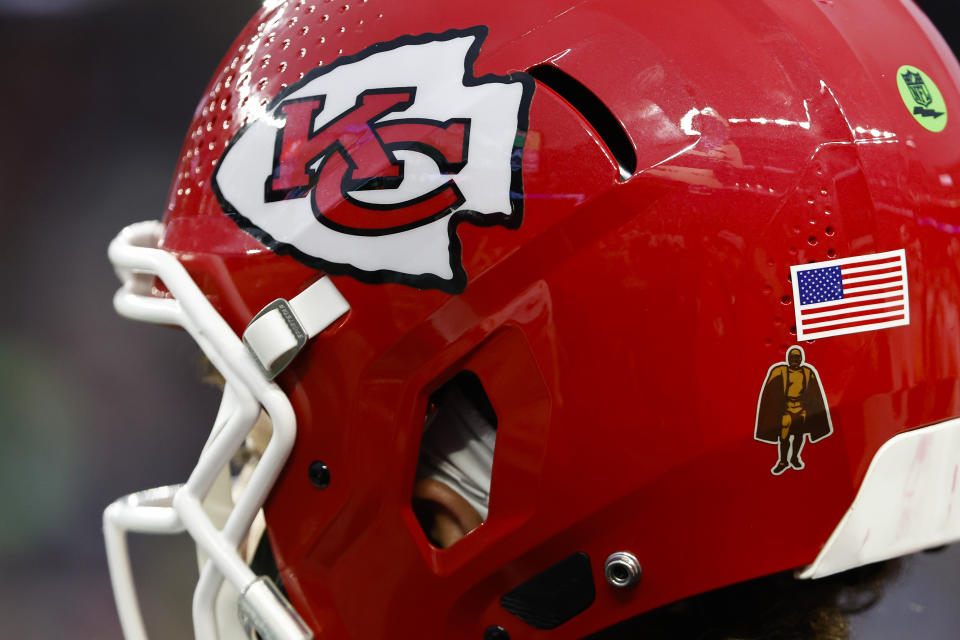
x=594, y=111
x=451, y=494
x=496, y=633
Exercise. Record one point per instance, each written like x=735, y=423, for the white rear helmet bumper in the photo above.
x=909, y=501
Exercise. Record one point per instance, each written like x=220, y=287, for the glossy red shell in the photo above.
x=624, y=330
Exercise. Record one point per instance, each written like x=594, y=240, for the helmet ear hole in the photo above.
x=451, y=493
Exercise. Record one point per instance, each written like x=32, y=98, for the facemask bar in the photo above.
x=177, y=508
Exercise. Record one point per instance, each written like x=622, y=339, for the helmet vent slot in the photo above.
x=451, y=494
x=594, y=111
x=554, y=595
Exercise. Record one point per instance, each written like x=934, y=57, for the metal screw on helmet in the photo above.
x=496, y=633
x=622, y=569
x=319, y=474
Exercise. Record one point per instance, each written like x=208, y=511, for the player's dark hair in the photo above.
x=777, y=607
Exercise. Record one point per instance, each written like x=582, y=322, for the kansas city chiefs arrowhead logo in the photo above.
x=367, y=166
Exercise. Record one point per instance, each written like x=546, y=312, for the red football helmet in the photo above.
x=549, y=314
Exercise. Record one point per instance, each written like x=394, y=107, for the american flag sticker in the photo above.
x=851, y=295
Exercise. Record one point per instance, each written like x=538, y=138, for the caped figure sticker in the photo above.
x=365, y=167
x=792, y=409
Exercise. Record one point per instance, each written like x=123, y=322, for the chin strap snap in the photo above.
x=277, y=334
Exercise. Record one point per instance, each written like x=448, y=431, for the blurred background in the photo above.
x=97, y=95
x=96, y=99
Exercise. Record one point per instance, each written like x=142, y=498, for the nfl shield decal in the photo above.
x=922, y=98
x=366, y=166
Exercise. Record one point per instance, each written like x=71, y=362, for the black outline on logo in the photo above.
x=513, y=220
x=433, y=153
x=349, y=183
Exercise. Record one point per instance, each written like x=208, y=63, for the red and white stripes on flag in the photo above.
x=849, y=295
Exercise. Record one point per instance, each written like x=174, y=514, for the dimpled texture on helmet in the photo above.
x=285, y=41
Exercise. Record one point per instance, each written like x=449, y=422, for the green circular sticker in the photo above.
x=922, y=98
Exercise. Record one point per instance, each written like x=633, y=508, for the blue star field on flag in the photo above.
x=820, y=285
